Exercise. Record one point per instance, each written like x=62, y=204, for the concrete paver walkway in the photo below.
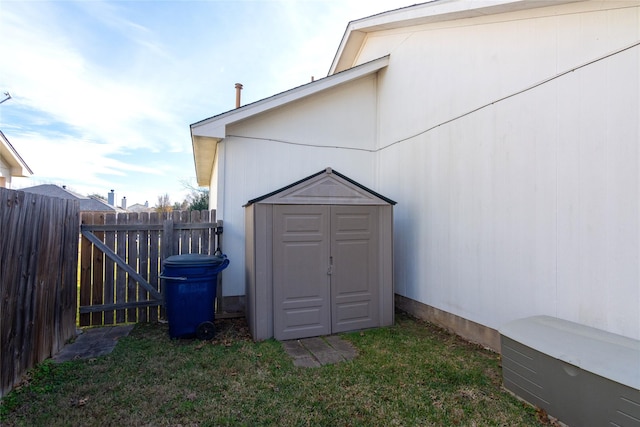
x=318, y=351
x=93, y=342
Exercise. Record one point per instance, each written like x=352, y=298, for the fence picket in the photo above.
x=121, y=275
x=154, y=260
x=97, y=267
x=109, y=269
x=132, y=260
x=85, y=271
x=143, y=260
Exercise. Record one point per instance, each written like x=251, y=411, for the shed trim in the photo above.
x=327, y=171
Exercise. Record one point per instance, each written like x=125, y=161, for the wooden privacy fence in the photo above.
x=38, y=280
x=121, y=260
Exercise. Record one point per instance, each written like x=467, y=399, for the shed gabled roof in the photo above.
x=434, y=11
x=18, y=166
x=206, y=133
x=327, y=187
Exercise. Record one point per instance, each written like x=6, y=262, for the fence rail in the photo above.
x=121, y=259
x=38, y=280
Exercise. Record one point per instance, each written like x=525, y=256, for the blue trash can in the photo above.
x=190, y=293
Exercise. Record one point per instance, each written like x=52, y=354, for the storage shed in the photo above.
x=319, y=259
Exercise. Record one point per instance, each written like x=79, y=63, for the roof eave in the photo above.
x=424, y=13
x=207, y=133
x=216, y=126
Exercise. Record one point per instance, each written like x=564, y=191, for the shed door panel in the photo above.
x=354, y=259
x=300, y=279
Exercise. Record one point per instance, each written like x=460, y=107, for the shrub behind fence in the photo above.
x=38, y=280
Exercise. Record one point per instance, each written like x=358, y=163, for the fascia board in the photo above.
x=425, y=13
x=215, y=127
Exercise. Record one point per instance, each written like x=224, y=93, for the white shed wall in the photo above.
x=530, y=205
x=294, y=142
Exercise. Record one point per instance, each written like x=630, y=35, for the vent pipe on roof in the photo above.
x=238, y=89
x=124, y=202
x=111, y=198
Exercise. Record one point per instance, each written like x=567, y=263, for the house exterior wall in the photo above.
x=254, y=158
x=529, y=205
x=5, y=174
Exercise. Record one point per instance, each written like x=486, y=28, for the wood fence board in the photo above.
x=121, y=275
x=177, y=235
x=132, y=260
x=194, y=247
x=10, y=260
x=143, y=267
x=69, y=275
x=85, y=271
x=29, y=258
x=154, y=260
x=38, y=311
x=109, y=269
x=97, y=269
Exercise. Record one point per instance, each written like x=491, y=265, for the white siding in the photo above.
x=518, y=193
x=5, y=174
x=342, y=117
x=530, y=205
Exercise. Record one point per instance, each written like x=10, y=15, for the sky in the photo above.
x=103, y=92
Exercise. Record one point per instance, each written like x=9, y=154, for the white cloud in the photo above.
x=104, y=92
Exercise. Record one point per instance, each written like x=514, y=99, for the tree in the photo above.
x=164, y=203
x=199, y=200
x=198, y=197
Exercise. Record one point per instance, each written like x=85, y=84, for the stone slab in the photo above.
x=318, y=351
x=93, y=342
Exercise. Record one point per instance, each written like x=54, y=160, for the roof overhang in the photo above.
x=206, y=134
x=420, y=14
x=11, y=157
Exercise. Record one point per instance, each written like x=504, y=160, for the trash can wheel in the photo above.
x=205, y=331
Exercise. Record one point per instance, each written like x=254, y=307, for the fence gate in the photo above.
x=121, y=260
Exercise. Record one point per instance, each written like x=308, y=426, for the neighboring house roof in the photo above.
x=87, y=204
x=139, y=207
x=11, y=157
x=206, y=133
x=434, y=11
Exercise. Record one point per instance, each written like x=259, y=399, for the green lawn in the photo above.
x=411, y=374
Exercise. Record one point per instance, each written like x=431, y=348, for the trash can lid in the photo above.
x=194, y=260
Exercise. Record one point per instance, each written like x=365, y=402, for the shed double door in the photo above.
x=325, y=263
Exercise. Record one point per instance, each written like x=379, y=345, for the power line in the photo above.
x=453, y=119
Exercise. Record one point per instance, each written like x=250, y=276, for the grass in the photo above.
x=410, y=374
